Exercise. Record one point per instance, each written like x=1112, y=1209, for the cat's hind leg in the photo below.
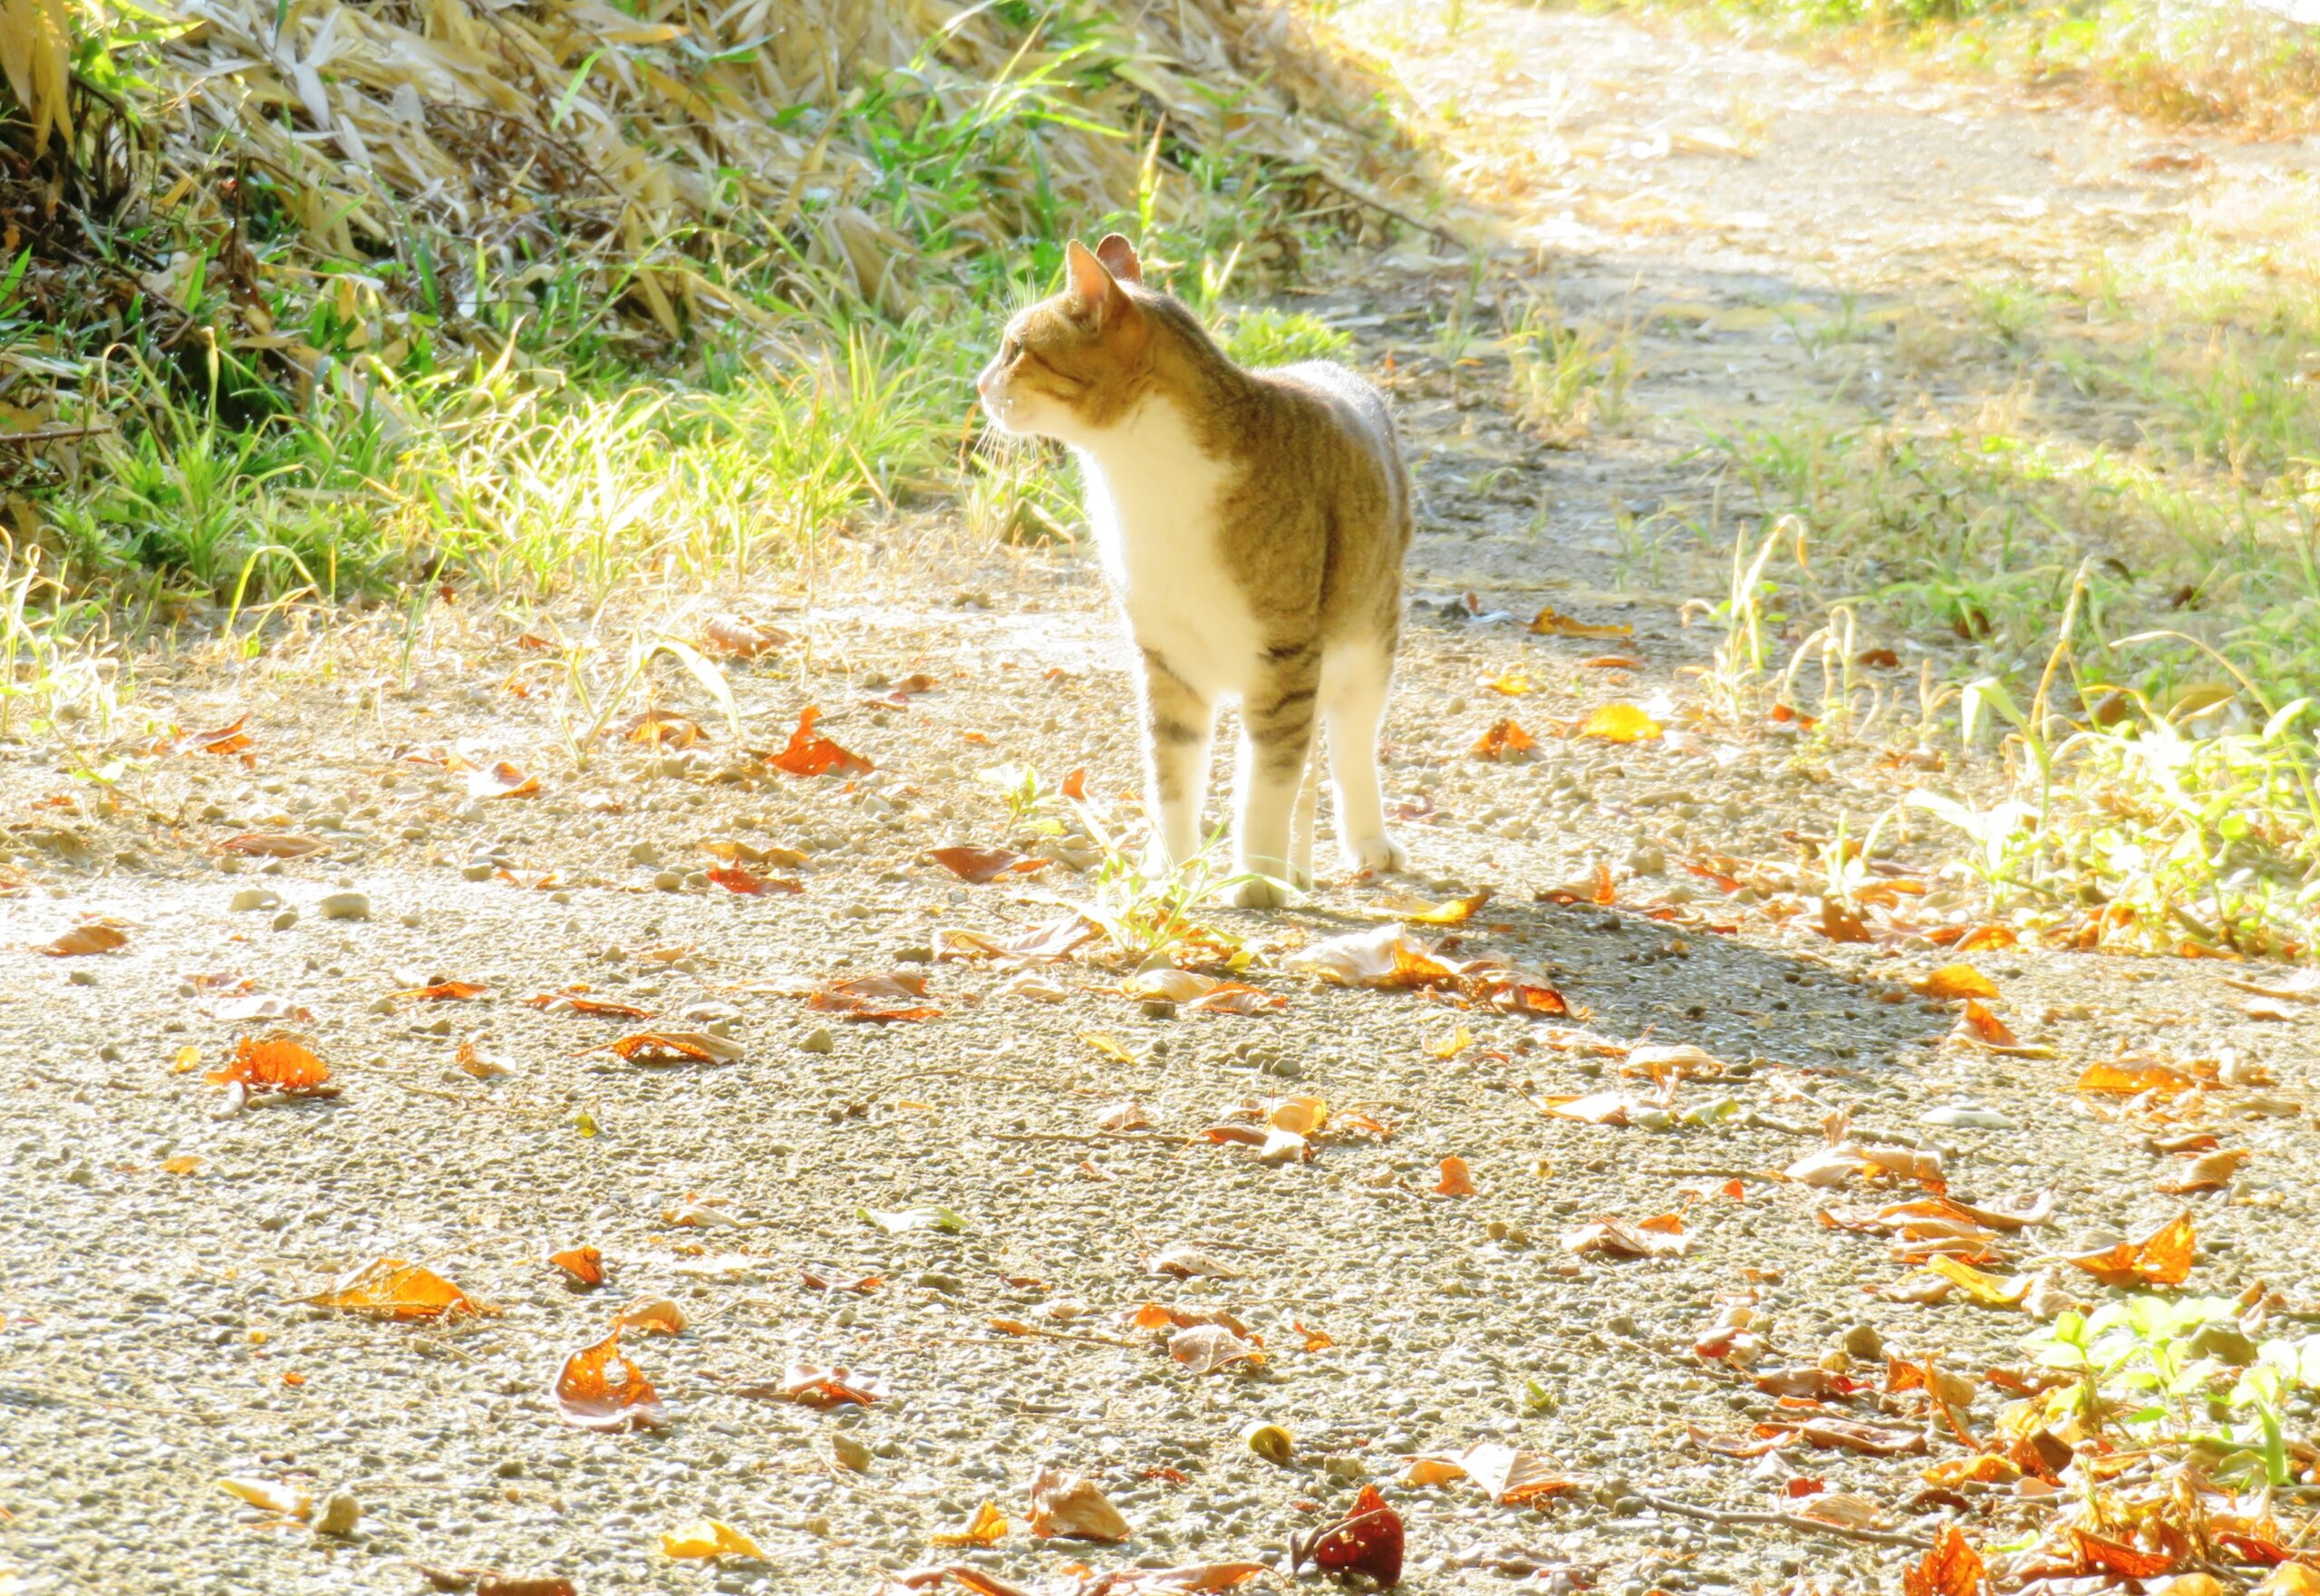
x=1354, y=683
x=1301, y=839
x=1276, y=747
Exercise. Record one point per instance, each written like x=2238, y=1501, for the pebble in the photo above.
x=668, y=880
x=83, y=977
x=1863, y=1343
x=850, y=1454
x=477, y=870
x=818, y=1040
x=345, y=905
x=256, y=898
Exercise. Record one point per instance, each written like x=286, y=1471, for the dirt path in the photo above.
x=154, y=1337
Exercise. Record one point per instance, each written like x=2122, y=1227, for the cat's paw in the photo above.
x=1301, y=876
x=1260, y=892
x=1380, y=855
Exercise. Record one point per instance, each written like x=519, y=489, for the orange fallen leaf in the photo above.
x=1457, y=1181
x=673, y=1047
x=987, y=1528
x=811, y=754
x=2115, y=1557
x=1455, y=912
x=655, y=1316
x=2129, y=1078
x=2208, y=1173
x=1513, y=684
x=279, y=1063
x=1982, y=1026
x=1075, y=785
x=1367, y=1541
x=827, y=1280
x=600, y=1388
x=1074, y=1506
x=1503, y=739
x=1951, y=1568
x=389, y=1288
x=584, y=1264
x=876, y=999
x=662, y=727
x=1611, y=663
x=445, y=991
x=1622, y=1240
x=225, y=739
x=1315, y=1340
x=740, y=638
x=735, y=879
x=1620, y=724
x=1204, y=1349
x=981, y=864
x=2163, y=1257
x=1957, y=980
x=501, y=779
x=92, y=938
x=812, y=1387
x=1550, y=622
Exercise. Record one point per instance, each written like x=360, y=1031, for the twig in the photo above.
x=1085, y=1136
x=1360, y=194
x=46, y=434
x=1786, y=1521
x=1020, y=1330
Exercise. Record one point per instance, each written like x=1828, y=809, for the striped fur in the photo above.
x=1251, y=525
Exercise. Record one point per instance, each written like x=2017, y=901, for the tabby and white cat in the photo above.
x=1253, y=525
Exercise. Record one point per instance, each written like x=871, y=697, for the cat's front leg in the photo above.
x=1276, y=745
x=1179, y=725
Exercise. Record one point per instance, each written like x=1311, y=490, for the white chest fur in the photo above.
x=1152, y=505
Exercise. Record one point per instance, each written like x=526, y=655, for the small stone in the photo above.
x=849, y=1454
x=383, y=1006
x=1158, y=1009
x=339, y=1515
x=934, y=1280
x=644, y=853
x=818, y=1040
x=477, y=870
x=668, y=880
x=83, y=977
x=1621, y=1324
x=410, y=918
x=345, y=905
x=1864, y=1344
x=256, y=898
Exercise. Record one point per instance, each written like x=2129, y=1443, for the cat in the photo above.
x=1251, y=525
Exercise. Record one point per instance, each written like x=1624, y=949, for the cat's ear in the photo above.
x=1096, y=298
x=1119, y=256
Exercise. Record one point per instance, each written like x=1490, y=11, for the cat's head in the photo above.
x=1076, y=362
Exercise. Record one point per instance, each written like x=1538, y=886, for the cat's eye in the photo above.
x=1008, y=348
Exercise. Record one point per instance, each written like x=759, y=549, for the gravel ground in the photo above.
x=155, y=1333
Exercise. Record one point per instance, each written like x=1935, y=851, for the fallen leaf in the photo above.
x=1451, y=1046
x=1550, y=622
x=1847, y=1435
x=1075, y=785
x=2115, y=1557
x=673, y=1047
x=661, y=728
x=734, y=879
x=573, y=1000
x=810, y=1386
x=2163, y=1257
x=444, y=991
x=279, y=1063
x=876, y=999
x=655, y=1316
x=981, y=864
x=1109, y=1045
x=737, y=637
x=2209, y=1172
x=1367, y=1541
x=1842, y=1507
x=1957, y=980
x=389, y=1288
x=809, y=754
x=1383, y=957
x=830, y=1281
x=1315, y=1340
x=2130, y=1077
x=585, y=1264
x=1620, y=724
x=600, y=1388
x=1455, y=912
x=707, y=1537
x=183, y=1164
x=225, y=739
x=470, y=1060
x=501, y=779
x=1074, y=1506
x=1456, y=1181
x=1506, y=737
x=1978, y=1024
x=1510, y=1476
x=92, y=938
x=273, y=1496
x=272, y=845
x=1204, y=1349
x=1183, y=1263
x=987, y=1528
x=929, y=1217
x=1622, y=1240
x=1986, y=1291
x=1513, y=684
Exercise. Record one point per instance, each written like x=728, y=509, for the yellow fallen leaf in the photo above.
x=707, y=1537
x=987, y=1528
x=1958, y=980
x=1619, y=723
x=271, y=1494
x=1987, y=1290
x=1451, y=1046
x=1107, y=1046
